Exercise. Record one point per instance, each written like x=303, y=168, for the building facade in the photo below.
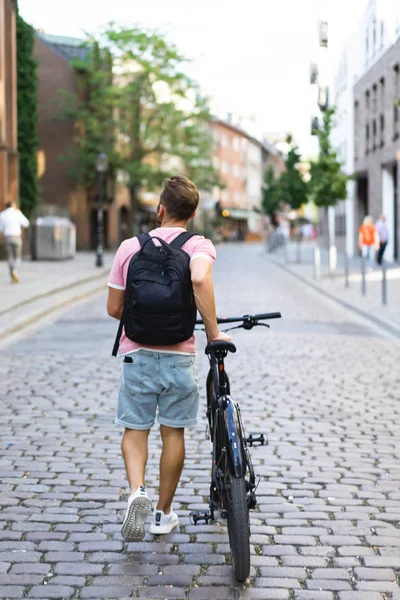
x=378, y=30
x=57, y=187
x=8, y=104
x=377, y=145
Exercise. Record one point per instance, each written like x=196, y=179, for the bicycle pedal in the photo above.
x=260, y=439
x=197, y=517
x=207, y=433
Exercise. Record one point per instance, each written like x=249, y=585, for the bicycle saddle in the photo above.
x=220, y=345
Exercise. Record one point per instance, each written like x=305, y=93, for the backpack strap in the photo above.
x=118, y=338
x=142, y=238
x=181, y=239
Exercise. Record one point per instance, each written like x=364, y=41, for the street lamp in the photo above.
x=101, y=169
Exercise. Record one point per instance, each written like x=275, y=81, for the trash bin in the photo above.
x=53, y=238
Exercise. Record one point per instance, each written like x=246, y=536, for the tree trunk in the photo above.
x=135, y=205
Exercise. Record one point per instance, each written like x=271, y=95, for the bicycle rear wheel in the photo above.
x=239, y=527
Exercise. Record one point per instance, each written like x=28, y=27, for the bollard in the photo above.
x=298, y=252
x=285, y=251
x=346, y=270
x=332, y=260
x=317, y=263
x=384, y=283
x=363, y=286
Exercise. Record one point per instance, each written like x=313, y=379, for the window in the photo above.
x=367, y=102
x=236, y=144
x=382, y=129
x=382, y=93
x=367, y=138
x=224, y=167
x=374, y=98
x=236, y=170
x=374, y=36
x=356, y=128
x=374, y=135
x=366, y=46
x=382, y=34
x=396, y=76
x=224, y=140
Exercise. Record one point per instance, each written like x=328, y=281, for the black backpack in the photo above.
x=159, y=306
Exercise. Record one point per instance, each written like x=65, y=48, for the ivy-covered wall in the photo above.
x=27, y=116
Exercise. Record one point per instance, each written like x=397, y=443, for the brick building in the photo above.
x=8, y=104
x=377, y=145
x=241, y=160
x=57, y=187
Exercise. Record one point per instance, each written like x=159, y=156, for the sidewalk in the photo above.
x=300, y=262
x=46, y=286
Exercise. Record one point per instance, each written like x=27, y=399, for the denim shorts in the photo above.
x=158, y=380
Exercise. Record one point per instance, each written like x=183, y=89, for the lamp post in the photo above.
x=101, y=169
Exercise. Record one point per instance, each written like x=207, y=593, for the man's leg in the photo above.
x=10, y=255
x=17, y=251
x=380, y=253
x=135, y=452
x=171, y=465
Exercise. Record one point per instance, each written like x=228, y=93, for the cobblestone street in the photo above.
x=321, y=382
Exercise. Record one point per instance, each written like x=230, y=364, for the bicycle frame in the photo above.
x=226, y=429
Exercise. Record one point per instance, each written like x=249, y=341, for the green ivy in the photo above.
x=27, y=116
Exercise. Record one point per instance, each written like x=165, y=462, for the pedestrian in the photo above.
x=383, y=234
x=11, y=222
x=368, y=239
x=158, y=372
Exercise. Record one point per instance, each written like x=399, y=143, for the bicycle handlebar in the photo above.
x=245, y=318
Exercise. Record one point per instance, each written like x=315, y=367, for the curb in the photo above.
x=53, y=291
x=395, y=331
x=21, y=325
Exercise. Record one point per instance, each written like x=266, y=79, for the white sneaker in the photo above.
x=163, y=523
x=139, y=508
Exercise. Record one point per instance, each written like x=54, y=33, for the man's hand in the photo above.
x=221, y=337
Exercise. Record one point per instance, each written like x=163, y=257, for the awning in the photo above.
x=241, y=214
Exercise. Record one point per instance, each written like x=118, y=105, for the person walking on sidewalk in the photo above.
x=11, y=222
x=368, y=239
x=158, y=372
x=383, y=234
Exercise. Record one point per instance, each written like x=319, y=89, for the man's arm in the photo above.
x=23, y=221
x=115, y=302
x=201, y=272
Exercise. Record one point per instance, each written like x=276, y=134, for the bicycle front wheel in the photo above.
x=239, y=528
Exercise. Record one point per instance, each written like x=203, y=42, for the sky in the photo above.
x=250, y=57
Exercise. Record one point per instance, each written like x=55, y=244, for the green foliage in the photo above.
x=294, y=189
x=328, y=182
x=93, y=110
x=271, y=192
x=27, y=116
x=149, y=117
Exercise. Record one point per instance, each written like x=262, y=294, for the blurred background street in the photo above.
x=286, y=117
x=321, y=382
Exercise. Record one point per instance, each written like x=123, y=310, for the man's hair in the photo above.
x=9, y=204
x=180, y=197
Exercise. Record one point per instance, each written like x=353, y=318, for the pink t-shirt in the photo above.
x=196, y=247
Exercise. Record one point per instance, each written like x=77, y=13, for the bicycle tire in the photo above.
x=239, y=528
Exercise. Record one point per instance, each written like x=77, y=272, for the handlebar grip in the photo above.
x=275, y=315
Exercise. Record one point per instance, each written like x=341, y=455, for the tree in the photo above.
x=27, y=116
x=294, y=189
x=271, y=192
x=150, y=115
x=328, y=183
x=92, y=109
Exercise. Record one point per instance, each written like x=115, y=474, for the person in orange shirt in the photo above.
x=368, y=239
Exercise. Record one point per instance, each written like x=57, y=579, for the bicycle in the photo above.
x=230, y=491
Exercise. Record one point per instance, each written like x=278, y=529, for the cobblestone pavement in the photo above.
x=325, y=387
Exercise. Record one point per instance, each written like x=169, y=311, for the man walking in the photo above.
x=11, y=222
x=154, y=303
x=383, y=234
